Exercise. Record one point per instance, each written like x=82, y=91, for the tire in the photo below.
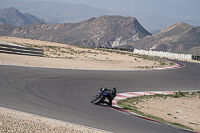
x=99, y=100
x=97, y=96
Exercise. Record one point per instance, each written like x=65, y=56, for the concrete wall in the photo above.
x=164, y=54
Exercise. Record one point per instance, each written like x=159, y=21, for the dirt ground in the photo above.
x=183, y=110
x=58, y=55
x=18, y=122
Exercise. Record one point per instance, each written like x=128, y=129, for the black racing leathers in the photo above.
x=111, y=96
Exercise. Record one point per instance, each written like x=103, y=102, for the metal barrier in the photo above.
x=164, y=54
x=21, y=50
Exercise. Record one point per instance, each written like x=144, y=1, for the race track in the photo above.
x=65, y=94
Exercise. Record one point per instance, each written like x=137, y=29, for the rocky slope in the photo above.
x=63, y=11
x=180, y=38
x=15, y=17
x=113, y=31
x=6, y=29
x=106, y=31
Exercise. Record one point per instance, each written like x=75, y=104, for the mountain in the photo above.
x=107, y=31
x=15, y=17
x=54, y=11
x=178, y=38
x=6, y=29
x=62, y=11
x=113, y=31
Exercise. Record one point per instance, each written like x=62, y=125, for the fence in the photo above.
x=4, y=48
x=165, y=54
x=158, y=53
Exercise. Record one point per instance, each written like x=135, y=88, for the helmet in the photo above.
x=102, y=89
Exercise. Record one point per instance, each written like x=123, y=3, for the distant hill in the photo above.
x=106, y=31
x=6, y=29
x=179, y=38
x=14, y=17
x=113, y=31
x=55, y=11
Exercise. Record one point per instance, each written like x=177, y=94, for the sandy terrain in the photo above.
x=65, y=56
x=183, y=110
x=18, y=122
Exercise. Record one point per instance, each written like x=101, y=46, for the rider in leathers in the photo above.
x=111, y=96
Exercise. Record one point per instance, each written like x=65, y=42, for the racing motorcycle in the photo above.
x=100, y=96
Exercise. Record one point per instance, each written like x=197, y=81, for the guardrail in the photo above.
x=21, y=50
x=164, y=54
x=158, y=53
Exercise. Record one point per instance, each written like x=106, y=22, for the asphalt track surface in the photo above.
x=65, y=94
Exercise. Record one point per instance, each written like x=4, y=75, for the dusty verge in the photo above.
x=59, y=55
x=183, y=110
x=17, y=122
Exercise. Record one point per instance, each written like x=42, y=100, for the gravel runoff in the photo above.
x=12, y=121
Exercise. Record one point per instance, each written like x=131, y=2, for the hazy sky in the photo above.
x=184, y=9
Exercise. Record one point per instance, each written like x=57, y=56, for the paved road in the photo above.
x=65, y=94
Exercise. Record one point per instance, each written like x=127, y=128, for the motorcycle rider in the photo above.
x=111, y=96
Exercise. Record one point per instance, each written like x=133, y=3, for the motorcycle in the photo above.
x=100, y=97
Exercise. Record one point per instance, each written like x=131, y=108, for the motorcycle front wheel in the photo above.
x=99, y=100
